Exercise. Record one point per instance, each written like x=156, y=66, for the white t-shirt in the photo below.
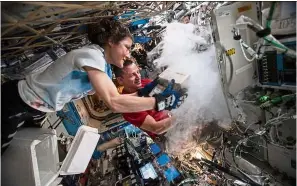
x=64, y=80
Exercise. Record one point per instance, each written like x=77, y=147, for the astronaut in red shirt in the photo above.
x=151, y=121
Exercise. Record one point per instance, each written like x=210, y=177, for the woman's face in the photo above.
x=120, y=51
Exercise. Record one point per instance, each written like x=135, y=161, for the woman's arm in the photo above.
x=133, y=94
x=106, y=90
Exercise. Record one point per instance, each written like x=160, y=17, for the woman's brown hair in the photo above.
x=99, y=33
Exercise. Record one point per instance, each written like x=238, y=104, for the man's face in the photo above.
x=131, y=78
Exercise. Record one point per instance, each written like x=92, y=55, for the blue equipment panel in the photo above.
x=155, y=148
x=140, y=22
x=163, y=159
x=171, y=173
x=142, y=39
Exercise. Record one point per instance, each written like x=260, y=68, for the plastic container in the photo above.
x=33, y=159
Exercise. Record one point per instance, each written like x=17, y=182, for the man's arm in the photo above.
x=157, y=127
x=106, y=90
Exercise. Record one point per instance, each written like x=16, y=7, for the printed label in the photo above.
x=244, y=8
x=230, y=52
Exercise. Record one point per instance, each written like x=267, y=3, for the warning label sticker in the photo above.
x=230, y=52
x=244, y=8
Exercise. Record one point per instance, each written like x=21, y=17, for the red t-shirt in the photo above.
x=137, y=118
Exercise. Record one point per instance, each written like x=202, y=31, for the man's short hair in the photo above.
x=119, y=71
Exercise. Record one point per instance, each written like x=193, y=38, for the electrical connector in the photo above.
x=263, y=99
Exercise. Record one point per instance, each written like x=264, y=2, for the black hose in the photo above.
x=227, y=171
